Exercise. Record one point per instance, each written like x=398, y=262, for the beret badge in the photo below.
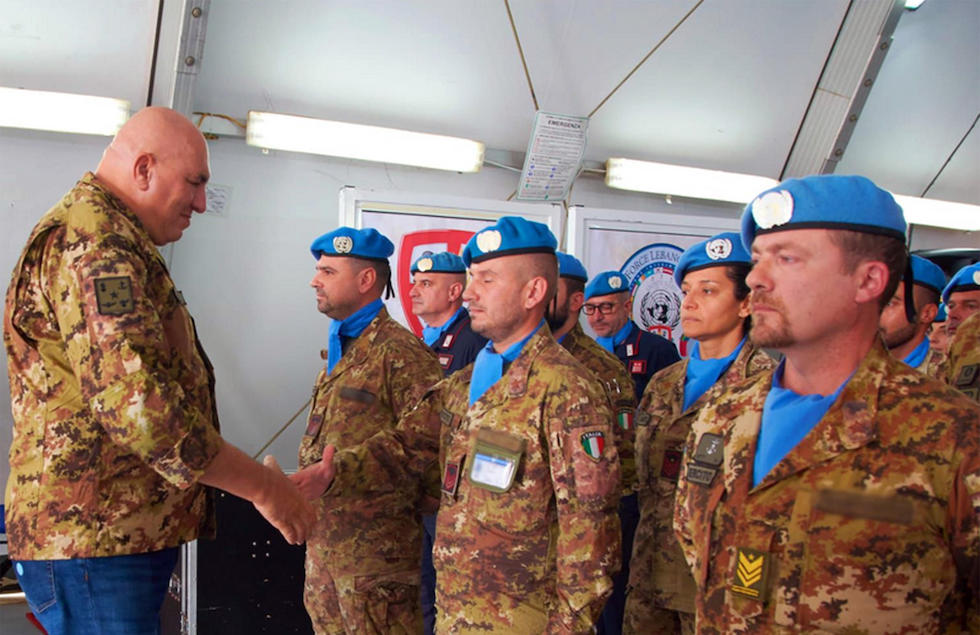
x=772, y=208
x=718, y=249
x=488, y=240
x=342, y=244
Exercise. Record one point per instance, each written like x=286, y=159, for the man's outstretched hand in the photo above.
x=313, y=481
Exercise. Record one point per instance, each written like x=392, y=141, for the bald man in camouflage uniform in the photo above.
x=840, y=492
x=964, y=358
x=563, y=318
x=362, y=559
x=115, y=425
x=528, y=537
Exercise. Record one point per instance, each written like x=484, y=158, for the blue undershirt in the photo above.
x=352, y=326
x=488, y=367
x=431, y=334
x=918, y=354
x=703, y=373
x=787, y=417
x=611, y=342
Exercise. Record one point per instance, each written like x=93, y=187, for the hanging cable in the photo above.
x=950, y=157
x=520, y=49
x=652, y=51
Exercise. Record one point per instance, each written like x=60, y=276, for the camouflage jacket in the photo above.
x=934, y=365
x=111, y=392
x=619, y=386
x=658, y=573
x=380, y=377
x=870, y=525
x=550, y=541
x=963, y=365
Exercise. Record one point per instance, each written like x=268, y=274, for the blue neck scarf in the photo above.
x=431, y=334
x=352, y=326
x=787, y=417
x=918, y=354
x=703, y=373
x=489, y=366
x=610, y=343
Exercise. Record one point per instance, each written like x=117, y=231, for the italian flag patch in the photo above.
x=593, y=444
x=625, y=420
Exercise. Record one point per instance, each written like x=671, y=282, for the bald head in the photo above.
x=157, y=164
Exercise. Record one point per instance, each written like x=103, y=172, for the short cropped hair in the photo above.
x=859, y=247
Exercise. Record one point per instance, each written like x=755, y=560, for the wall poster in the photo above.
x=419, y=224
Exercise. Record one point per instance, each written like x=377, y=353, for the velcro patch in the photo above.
x=671, y=465
x=593, y=443
x=967, y=374
x=710, y=450
x=642, y=418
x=625, y=420
x=355, y=394
x=114, y=295
x=450, y=478
x=700, y=474
x=751, y=572
x=313, y=425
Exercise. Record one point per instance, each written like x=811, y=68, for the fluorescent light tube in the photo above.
x=677, y=180
x=930, y=211
x=367, y=143
x=61, y=112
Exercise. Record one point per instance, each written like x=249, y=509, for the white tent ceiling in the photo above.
x=728, y=89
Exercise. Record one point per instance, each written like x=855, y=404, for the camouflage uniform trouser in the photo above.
x=493, y=613
x=651, y=620
x=374, y=604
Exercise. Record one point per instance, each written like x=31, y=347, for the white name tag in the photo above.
x=492, y=471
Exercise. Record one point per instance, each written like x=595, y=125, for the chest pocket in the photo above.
x=508, y=483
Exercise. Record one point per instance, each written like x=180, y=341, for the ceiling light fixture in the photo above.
x=936, y=213
x=367, y=143
x=678, y=180
x=912, y=5
x=61, y=112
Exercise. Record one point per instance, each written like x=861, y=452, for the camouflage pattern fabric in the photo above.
x=622, y=395
x=964, y=358
x=661, y=589
x=111, y=392
x=870, y=525
x=362, y=557
x=540, y=555
x=934, y=365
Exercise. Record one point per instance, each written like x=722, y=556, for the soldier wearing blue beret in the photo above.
x=362, y=560
x=962, y=297
x=519, y=446
x=715, y=317
x=938, y=340
x=906, y=340
x=437, y=299
x=810, y=495
x=608, y=309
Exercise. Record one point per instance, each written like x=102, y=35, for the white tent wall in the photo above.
x=245, y=274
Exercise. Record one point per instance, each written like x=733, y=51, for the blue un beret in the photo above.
x=605, y=283
x=941, y=313
x=442, y=262
x=826, y=201
x=355, y=243
x=718, y=251
x=927, y=273
x=511, y=235
x=966, y=279
x=571, y=267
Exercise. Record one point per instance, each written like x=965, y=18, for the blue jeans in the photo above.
x=112, y=595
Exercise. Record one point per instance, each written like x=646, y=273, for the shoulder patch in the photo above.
x=114, y=295
x=967, y=374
